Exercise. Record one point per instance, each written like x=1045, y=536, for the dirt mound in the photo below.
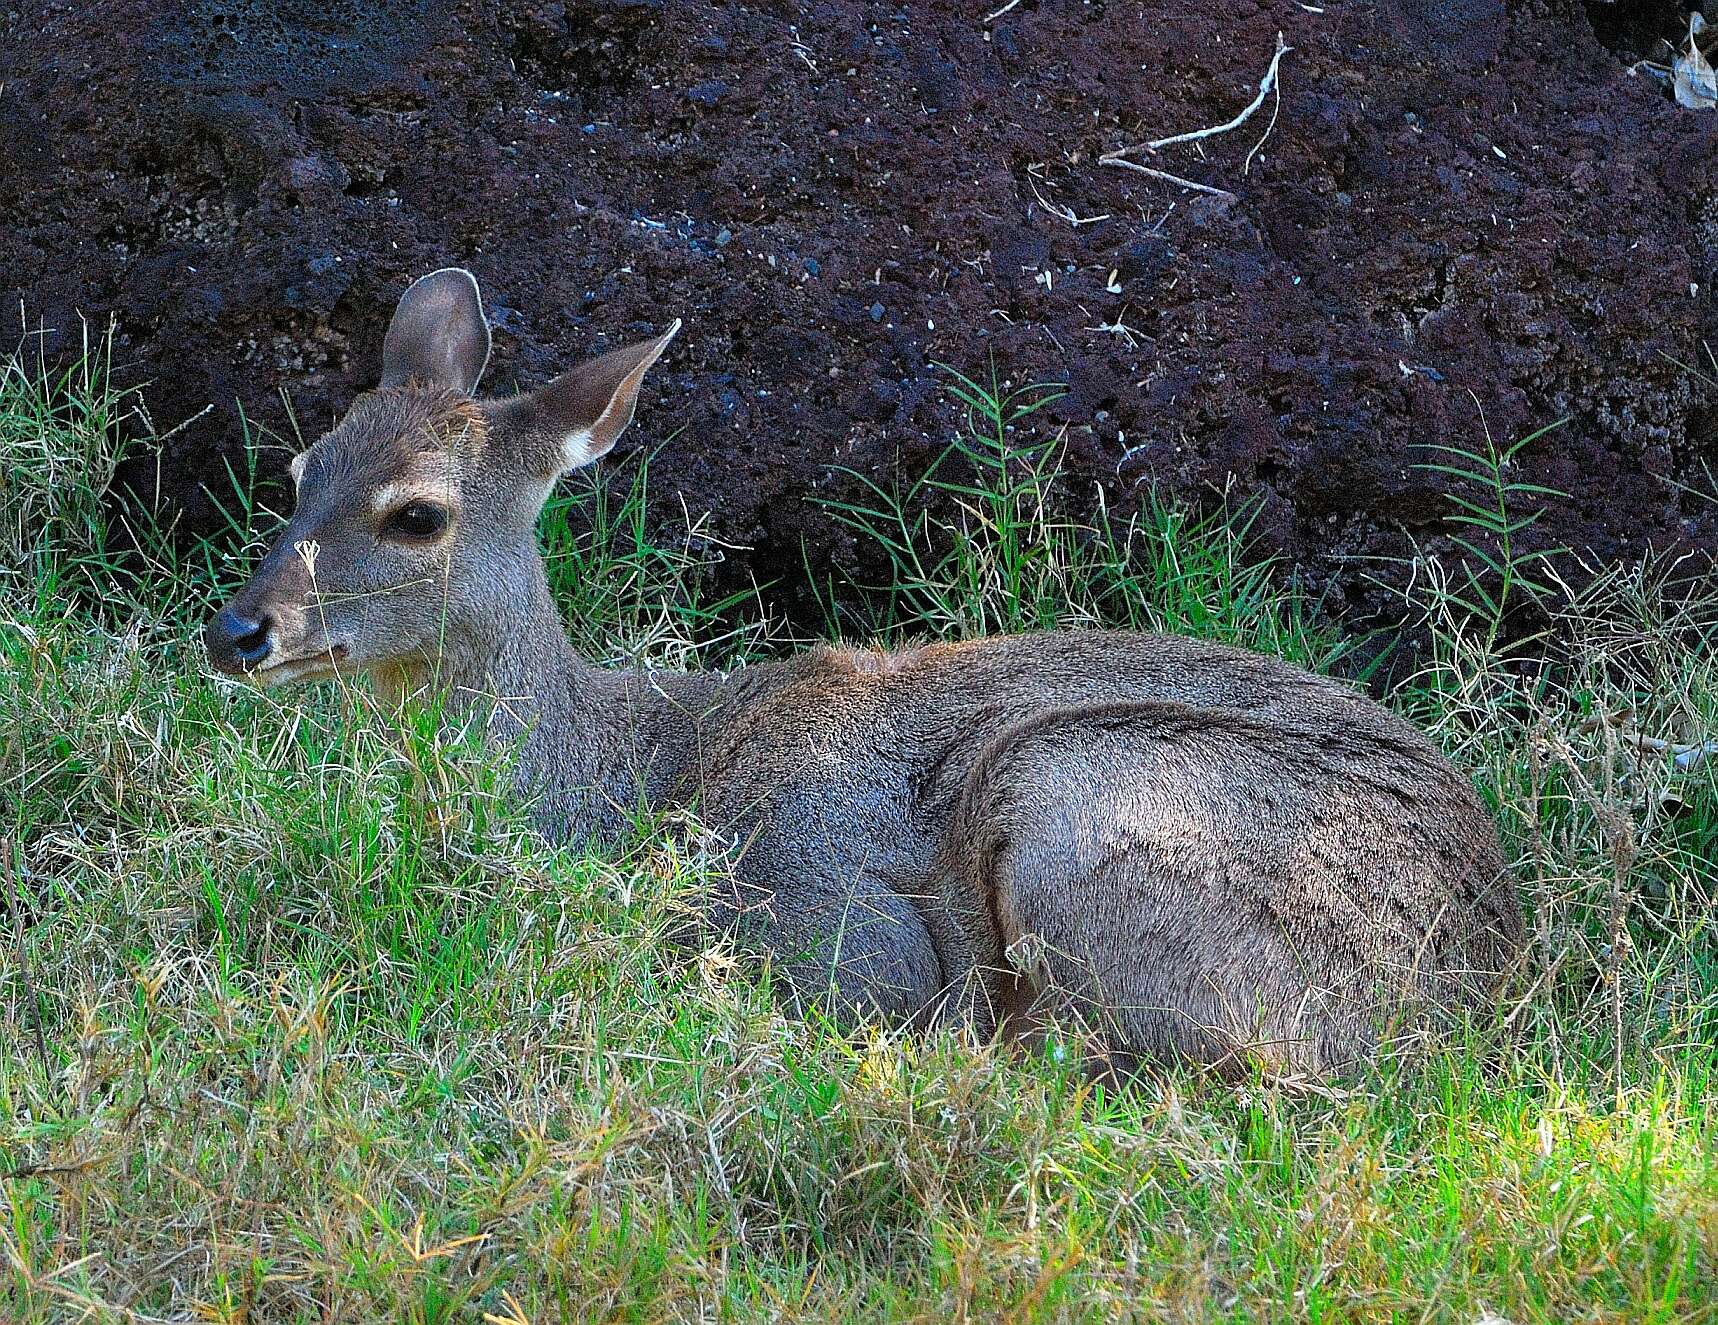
x=1457, y=199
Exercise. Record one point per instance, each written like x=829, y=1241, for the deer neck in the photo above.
x=592, y=742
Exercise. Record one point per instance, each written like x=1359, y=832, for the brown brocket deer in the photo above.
x=1209, y=853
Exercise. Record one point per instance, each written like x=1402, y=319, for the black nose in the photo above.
x=247, y=638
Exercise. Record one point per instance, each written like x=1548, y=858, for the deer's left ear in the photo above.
x=438, y=336
x=582, y=413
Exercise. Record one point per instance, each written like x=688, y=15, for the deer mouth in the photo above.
x=322, y=665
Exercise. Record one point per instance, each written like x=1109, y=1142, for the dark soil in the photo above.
x=1462, y=205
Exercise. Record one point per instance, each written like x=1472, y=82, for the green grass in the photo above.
x=1023, y=551
x=327, y=1035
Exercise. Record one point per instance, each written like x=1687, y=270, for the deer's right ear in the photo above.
x=584, y=410
x=438, y=336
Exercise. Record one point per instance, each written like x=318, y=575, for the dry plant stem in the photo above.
x=1618, y=826
x=11, y=862
x=1166, y=176
x=1550, y=959
x=1276, y=109
x=1622, y=835
x=1266, y=83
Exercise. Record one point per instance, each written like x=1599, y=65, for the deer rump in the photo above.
x=1268, y=881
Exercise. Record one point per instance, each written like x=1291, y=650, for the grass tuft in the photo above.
x=62, y=439
x=1021, y=551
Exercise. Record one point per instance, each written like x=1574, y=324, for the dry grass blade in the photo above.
x=15, y=903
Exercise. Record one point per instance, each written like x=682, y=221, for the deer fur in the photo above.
x=1204, y=852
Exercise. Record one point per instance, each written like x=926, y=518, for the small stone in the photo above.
x=723, y=236
x=503, y=318
x=876, y=312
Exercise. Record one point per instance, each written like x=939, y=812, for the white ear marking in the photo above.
x=576, y=449
x=295, y=467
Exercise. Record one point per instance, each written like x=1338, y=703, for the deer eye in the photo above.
x=417, y=521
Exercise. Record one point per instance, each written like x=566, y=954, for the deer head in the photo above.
x=414, y=526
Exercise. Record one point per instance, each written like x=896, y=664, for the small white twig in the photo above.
x=1131, y=335
x=1266, y=83
x=991, y=18
x=1166, y=176
x=1276, y=106
x=1061, y=211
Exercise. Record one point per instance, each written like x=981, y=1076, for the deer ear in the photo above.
x=438, y=336
x=585, y=410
